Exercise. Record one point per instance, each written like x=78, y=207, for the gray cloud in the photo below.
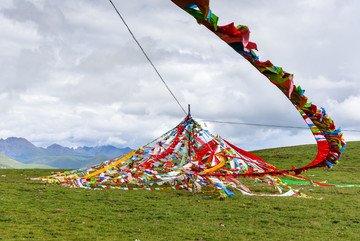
x=72, y=74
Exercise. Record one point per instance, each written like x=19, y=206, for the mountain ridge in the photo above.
x=22, y=150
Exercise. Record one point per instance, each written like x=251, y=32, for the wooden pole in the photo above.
x=189, y=150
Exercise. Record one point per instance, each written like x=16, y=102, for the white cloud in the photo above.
x=347, y=110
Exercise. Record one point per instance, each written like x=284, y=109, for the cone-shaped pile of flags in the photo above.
x=186, y=157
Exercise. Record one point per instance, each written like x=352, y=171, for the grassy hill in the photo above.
x=40, y=211
x=8, y=163
x=298, y=156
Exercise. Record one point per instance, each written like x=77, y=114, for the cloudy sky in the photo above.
x=71, y=73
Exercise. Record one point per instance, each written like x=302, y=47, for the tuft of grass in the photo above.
x=39, y=211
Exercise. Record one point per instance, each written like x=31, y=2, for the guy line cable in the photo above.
x=147, y=57
x=265, y=125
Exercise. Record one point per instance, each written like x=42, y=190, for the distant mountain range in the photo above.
x=58, y=156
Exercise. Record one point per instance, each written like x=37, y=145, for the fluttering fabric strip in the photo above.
x=328, y=137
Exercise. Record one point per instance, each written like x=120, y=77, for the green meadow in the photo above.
x=31, y=210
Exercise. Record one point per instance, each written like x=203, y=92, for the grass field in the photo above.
x=38, y=211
